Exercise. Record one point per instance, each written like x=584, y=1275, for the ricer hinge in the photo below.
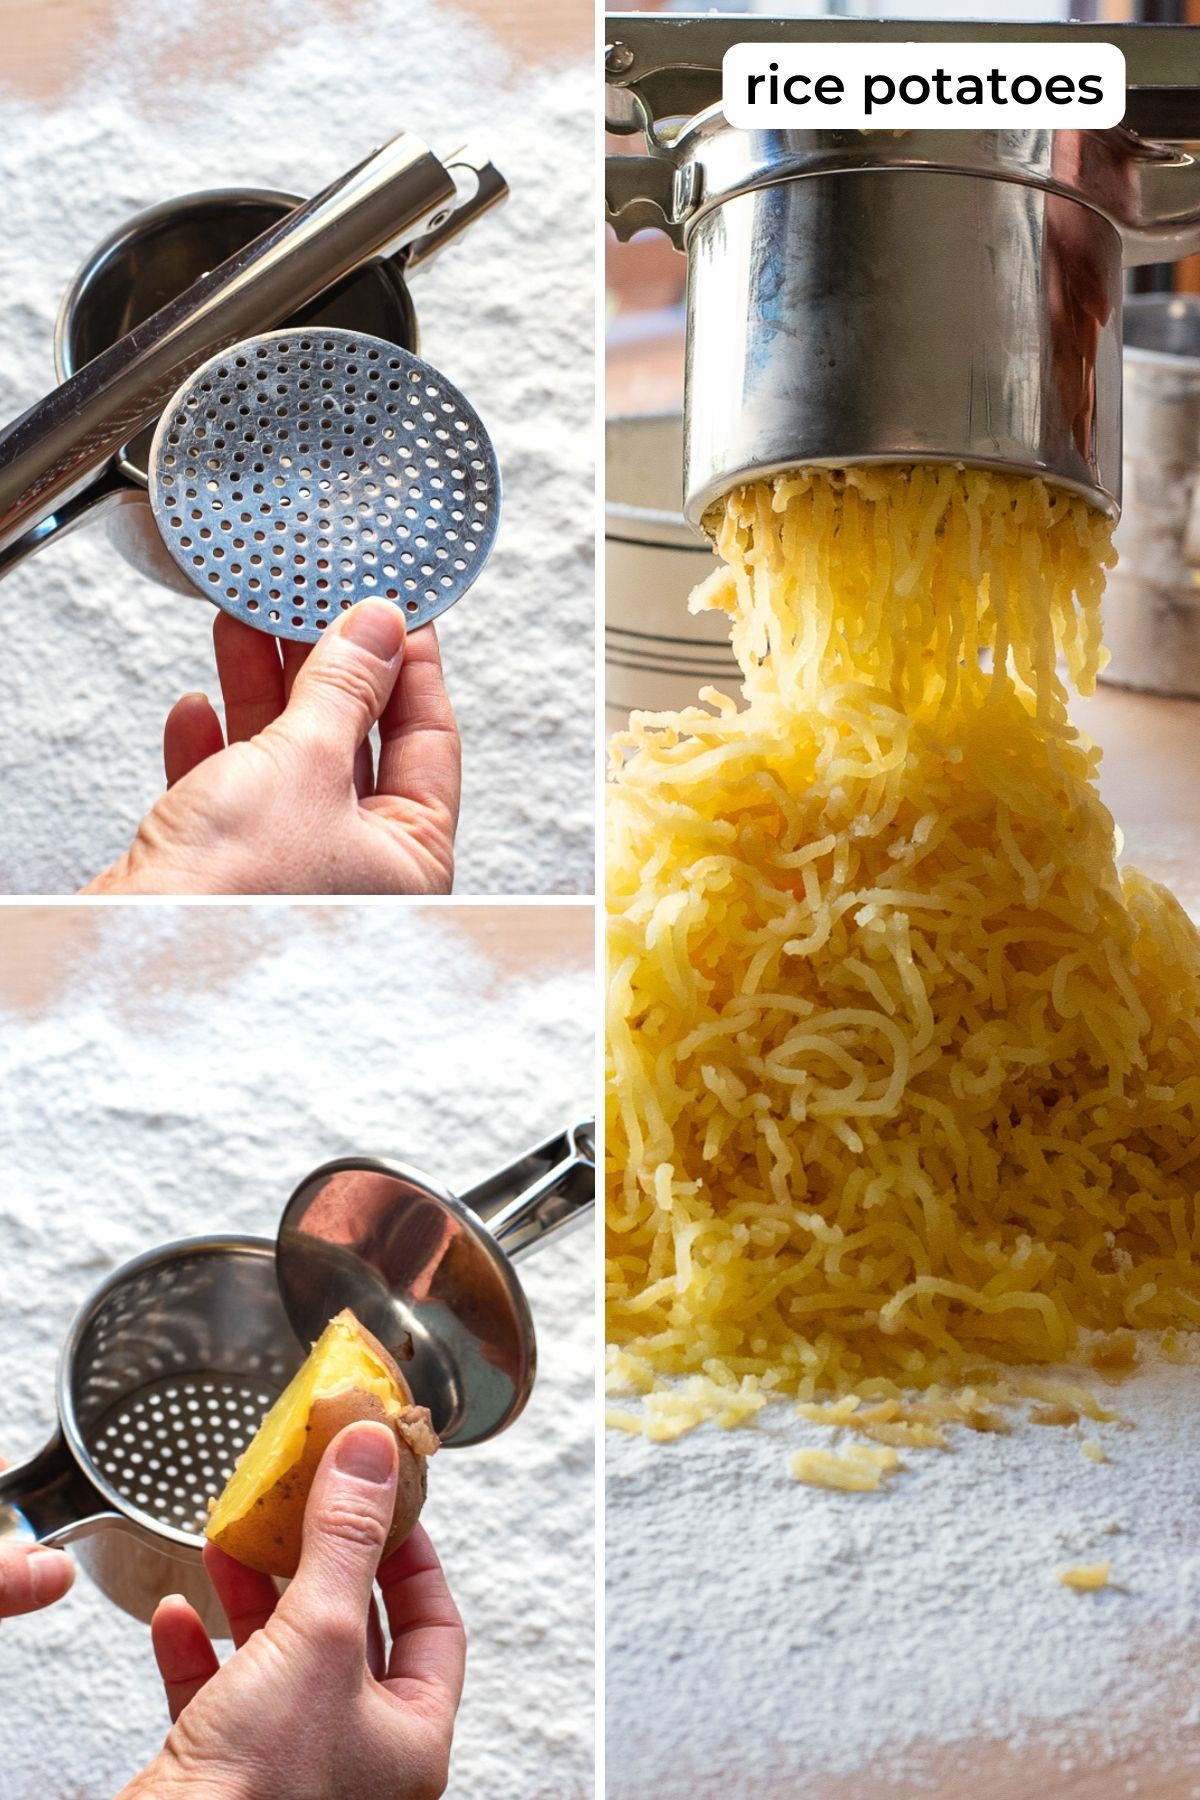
x=669, y=67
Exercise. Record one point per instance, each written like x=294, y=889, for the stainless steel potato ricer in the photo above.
x=194, y=287
x=874, y=297
x=169, y=1367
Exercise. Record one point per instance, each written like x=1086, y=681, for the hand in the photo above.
x=31, y=1576
x=308, y=1708
x=292, y=805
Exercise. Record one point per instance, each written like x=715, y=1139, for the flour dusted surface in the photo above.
x=95, y=654
x=171, y=1091
x=881, y=1643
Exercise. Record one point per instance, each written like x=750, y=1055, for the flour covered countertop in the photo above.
x=179, y=1075
x=767, y=1639
x=288, y=94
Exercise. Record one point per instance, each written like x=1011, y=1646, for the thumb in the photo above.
x=341, y=689
x=32, y=1577
x=346, y=1524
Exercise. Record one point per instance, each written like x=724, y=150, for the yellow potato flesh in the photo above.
x=341, y=1358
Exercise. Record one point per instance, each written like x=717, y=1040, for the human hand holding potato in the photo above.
x=309, y=1707
x=347, y=1376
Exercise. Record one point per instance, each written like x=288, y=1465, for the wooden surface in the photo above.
x=1150, y=781
x=990, y=1769
x=40, y=945
x=45, y=49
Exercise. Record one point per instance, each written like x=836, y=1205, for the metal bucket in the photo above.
x=164, y=1377
x=1152, y=603
x=657, y=654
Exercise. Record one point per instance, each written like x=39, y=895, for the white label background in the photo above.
x=854, y=63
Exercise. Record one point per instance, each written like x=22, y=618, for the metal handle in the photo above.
x=111, y=490
x=548, y=1190
x=47, y=1499
x=1162, y=221
x=672, y=61
x=482, y=187
x=399, y=193
x=639, y=195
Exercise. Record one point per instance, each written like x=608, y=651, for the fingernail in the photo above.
x=46, y=1573
x=368, y=1452
x=169, y=1600
x=375, y=627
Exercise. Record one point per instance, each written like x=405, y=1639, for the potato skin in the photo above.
x=268, y=1537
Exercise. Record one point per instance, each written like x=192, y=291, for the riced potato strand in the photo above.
x=903, y=1074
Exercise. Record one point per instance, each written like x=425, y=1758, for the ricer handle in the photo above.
x=48, y=1500
x=480, y=186
x=548, y=1190
x=111, y=489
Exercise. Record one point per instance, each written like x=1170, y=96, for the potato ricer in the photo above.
x=239, y=402
x=169, y=1367
x=913, y=296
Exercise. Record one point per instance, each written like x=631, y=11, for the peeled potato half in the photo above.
x=347, y=1376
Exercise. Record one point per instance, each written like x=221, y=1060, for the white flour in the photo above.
x=189, y=1073
x=766, y=1638
x=94, y=654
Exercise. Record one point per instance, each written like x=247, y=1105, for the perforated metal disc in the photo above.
x=171, y=1445
x=304, y=470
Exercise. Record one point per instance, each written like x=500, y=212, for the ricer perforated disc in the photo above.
x=304, y=470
